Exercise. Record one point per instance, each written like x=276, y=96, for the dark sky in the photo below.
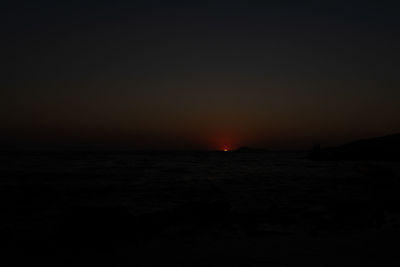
x=198, y=74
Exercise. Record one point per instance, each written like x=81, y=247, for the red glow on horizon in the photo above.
x=225, y=142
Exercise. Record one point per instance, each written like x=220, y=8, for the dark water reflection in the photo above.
x=237, y=209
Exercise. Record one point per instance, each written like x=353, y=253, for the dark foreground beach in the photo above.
x=197, y=209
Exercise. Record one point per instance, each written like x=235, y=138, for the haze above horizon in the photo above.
x=198, y=74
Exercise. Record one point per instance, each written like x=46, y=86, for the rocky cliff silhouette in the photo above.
x=250, y=150
x=378, y=148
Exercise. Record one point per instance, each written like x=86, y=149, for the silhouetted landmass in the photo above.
x=250, y=150
x=379, y=148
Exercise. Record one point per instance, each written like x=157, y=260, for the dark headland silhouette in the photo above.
x=244, y=149
x=378, y=148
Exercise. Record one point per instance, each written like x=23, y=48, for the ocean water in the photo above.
x=158, y=180
x=74, y=201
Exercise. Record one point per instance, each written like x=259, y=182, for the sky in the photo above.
x=198, y=74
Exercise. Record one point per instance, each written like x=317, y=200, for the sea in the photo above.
x=161, y=202
x=146, y=181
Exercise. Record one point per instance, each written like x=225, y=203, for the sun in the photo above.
x=225, y=148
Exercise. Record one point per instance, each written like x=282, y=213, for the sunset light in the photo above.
x=115, y=113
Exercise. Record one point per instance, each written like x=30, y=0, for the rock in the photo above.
x=379, y=148
x=250, y=150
